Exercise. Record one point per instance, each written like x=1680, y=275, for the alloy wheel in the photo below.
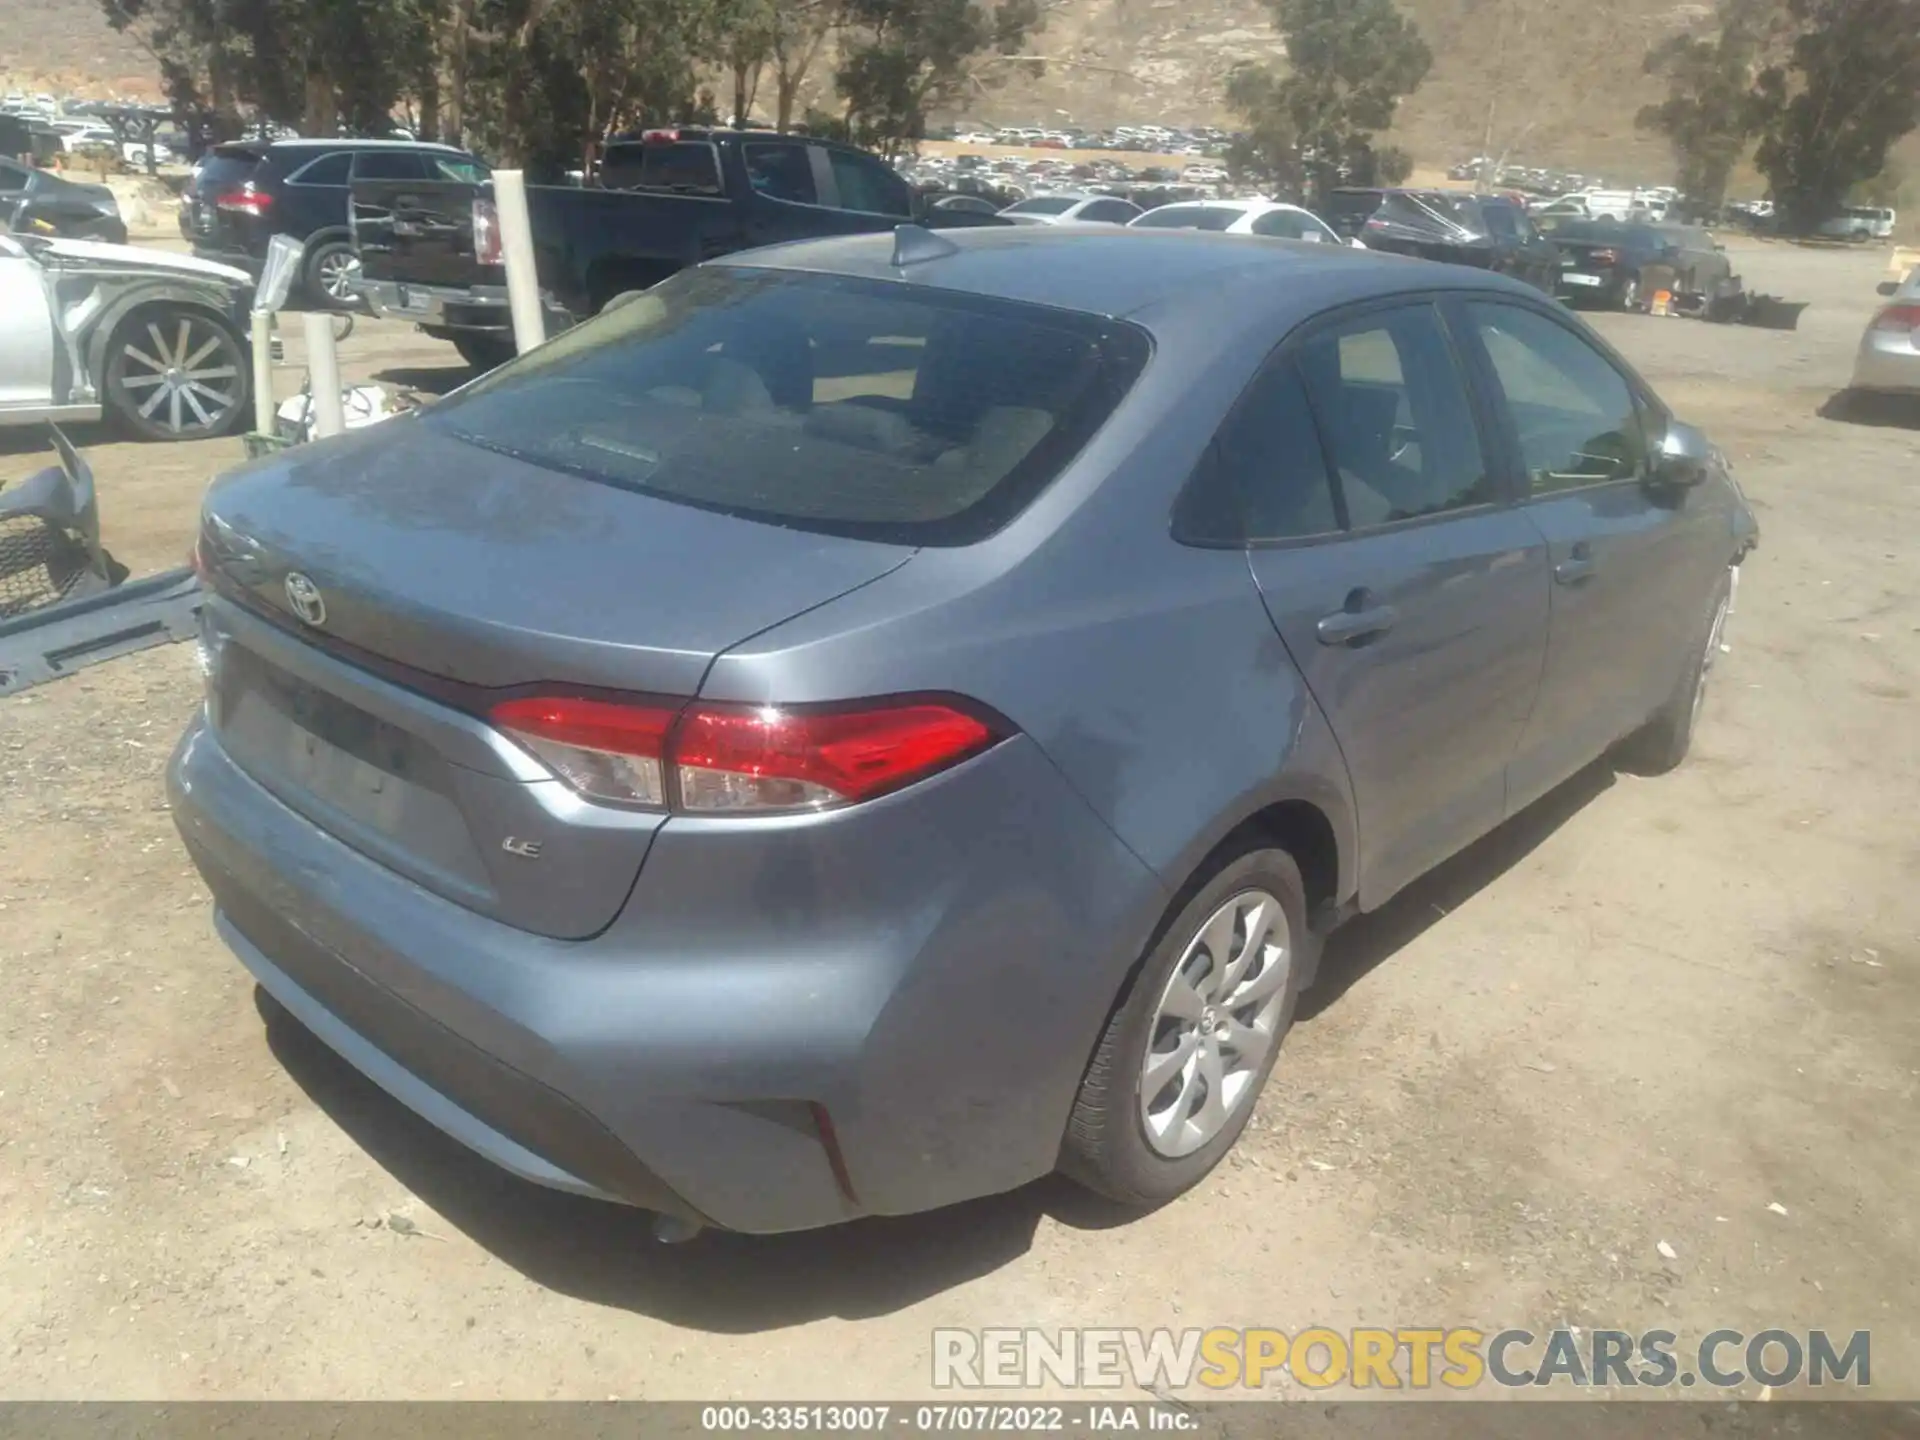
x=337, y=270
x=183, y=375
x=1215, y=1024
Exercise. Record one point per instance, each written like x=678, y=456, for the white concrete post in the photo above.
x=263, y=412
x=516, y=243
x=323, y=374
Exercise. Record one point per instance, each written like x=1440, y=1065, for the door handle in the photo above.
x=1576, y=567
x=1354, y=624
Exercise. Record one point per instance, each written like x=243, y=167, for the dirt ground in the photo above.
x=1640, y=1015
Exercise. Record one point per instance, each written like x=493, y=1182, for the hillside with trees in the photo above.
x=1817, y=94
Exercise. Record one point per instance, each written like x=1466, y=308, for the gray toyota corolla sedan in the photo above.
x=874, y=721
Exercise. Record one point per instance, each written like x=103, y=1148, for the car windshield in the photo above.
x=850, y=407
x=1043, y=205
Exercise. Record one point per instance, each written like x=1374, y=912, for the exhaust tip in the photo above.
x=675, y=1229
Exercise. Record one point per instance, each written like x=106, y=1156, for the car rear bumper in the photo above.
x=1888, y=362
x=446, y=309
x=1594, y=284
x=793, y=1021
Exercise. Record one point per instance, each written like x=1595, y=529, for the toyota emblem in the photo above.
x=303, y=598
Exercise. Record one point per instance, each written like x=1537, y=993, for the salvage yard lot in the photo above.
x=1645, y=1011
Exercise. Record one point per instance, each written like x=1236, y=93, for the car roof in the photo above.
x=1124, y=271
x=1243, y=207
x=349, y=142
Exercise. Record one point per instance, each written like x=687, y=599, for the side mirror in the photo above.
x=1683, y=459
x=1887, y=287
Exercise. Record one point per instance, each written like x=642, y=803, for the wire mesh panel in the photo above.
x=39, y=564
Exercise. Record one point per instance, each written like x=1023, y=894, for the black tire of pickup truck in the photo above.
x=485, y=352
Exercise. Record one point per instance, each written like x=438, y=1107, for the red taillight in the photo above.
x=1900, y=319
x=740, y=758
x=486, y=233
x=244, y=201
x=604, y=750
x=765, y=758
x=659, y=137
x=197, y=558
x=1604, y=257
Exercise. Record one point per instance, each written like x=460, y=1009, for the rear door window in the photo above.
x=827, y=403
x=462, y=168
x=1392, y=408
x=1265, y=476
x=331, y=169
x=389, y=165
x=781, y=172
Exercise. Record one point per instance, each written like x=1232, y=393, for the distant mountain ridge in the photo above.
x=1566, y=76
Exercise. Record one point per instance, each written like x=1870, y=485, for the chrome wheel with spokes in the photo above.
x=1215, y=1023
x=175, y=373
x=337, y=270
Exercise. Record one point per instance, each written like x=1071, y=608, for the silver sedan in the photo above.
x=1888, y=361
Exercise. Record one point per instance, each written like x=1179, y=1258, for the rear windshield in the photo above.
x=1044, y=205
x=1611, y=232
x=850, y=407
x=224, y=169
x=687, y=166
x=1188, y=217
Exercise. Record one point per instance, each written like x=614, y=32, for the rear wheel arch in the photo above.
x=1302, y=828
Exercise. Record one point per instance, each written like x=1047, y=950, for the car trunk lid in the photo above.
x=381, y=592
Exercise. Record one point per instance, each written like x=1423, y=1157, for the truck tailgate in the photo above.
x=419, y=231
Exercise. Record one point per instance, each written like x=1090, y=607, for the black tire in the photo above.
x=327, y=272
x=1662, y=743
x=1107, y=1148
x=154, y=398
x=485, y=352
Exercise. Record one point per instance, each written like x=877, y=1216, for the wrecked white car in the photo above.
x=152, y=340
